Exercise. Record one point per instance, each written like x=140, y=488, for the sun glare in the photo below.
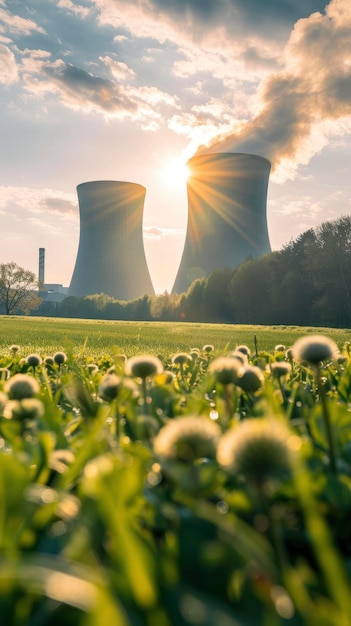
x=174, y=173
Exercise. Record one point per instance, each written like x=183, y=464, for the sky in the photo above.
x=129, y=90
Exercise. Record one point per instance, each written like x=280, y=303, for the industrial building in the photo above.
x=111, y=257
x=227, y=197
x=51, y=293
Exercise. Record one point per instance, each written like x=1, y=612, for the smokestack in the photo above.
x=227, y=194
x=111, y=257
x=41, y=272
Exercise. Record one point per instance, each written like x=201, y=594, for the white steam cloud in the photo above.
x=304, y=103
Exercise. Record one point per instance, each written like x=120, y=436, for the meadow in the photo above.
x=96, y=338
x=156, y=474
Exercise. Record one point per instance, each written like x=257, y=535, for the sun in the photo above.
x=174, y=173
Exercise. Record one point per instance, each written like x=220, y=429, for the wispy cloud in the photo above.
x=75, y=8
x=84, y=91
x=155, y=233
x=18, y=25
x=24, y=200
x=301, y=207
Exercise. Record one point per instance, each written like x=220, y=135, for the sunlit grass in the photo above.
x=94, y=337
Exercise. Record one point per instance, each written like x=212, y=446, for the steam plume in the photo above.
x=306, y=101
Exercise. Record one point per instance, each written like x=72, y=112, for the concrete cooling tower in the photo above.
x=111, y=257
x=227, y=223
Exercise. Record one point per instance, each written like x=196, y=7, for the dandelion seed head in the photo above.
x=21, y=386
x=280, y=369
x=226, y=370
x=110, y=387
x=195, y=353
x=314, y=349
x=143, y=366
x=187, y=438
x=244, y=349
x=181, y=358
x=252, y=379
x=257, y=449
x=60, y=357
x=241, y=356
x=34, y=360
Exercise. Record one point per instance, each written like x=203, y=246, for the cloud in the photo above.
x=58, y=203
x=301, y=207
x=119, y=70
x=24, y=200
x=204, y=20
x=81, y=89
x=306, y=101
x=77, y=9
x=155, y=233
x=210, y=36
x=84, y=91
x=18, y=25
x=8, y=66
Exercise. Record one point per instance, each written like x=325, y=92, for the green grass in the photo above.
x=179, y=499
x=98, y=337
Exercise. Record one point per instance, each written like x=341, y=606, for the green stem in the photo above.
x=327, y=420
x=228, y=402
x=118, y=424
x=144, y=390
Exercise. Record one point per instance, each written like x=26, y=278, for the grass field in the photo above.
x=94, y=337
x=204, y=489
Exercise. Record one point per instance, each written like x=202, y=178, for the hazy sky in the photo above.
x=125, y=89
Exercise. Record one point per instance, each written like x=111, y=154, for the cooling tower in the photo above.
x=227, y=223
x=111, y=257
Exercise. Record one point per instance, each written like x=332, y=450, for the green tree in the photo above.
x=18, y=289
x=297, y=281
x=164, y=306
x=334, y=239
x=192, y=305
x=217, y=302
x=250, y=290
x=99, y=300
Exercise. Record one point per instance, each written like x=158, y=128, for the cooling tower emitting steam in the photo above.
x=227, y=195
x=111, y=257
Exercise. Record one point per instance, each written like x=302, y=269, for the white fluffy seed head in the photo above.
x=314, y=349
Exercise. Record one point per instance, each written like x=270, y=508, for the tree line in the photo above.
x=307, y=282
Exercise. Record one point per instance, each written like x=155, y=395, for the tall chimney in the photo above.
x=227, y=194
x=41, y=272
x=111, y=257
